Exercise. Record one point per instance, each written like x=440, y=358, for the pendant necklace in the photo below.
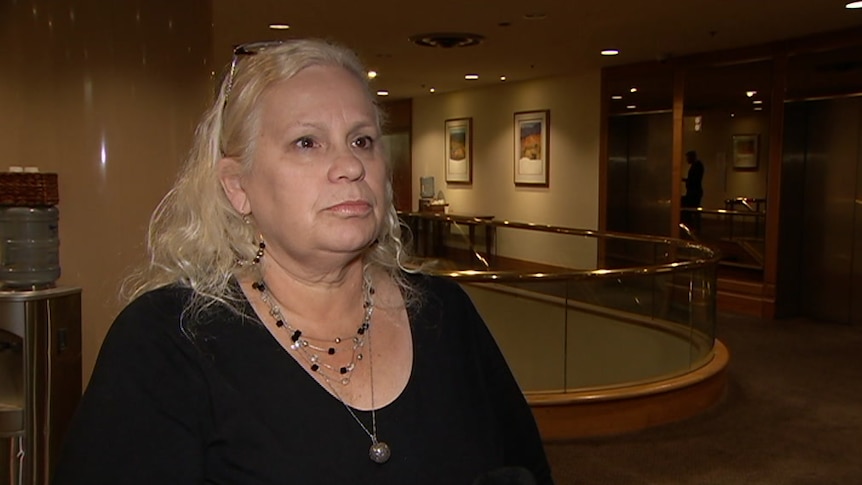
x=315, y=354
x=379, y=451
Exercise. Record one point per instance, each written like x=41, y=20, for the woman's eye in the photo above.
x=304, y=142
x=364, y=142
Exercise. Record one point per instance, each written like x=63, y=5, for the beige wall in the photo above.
x=106, y=94
x=572, y=197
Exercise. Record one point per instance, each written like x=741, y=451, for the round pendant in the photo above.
x=379, y=452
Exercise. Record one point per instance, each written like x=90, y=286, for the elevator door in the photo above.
x=831, y=262
x=639, y=167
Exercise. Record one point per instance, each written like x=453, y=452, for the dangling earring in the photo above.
x=260, y=247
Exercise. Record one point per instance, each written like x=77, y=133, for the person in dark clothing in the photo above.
x=693, y=192
x=693, y=181
x=276, y=335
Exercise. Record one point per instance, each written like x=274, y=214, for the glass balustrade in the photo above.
x=738, y=232
x=575, y=310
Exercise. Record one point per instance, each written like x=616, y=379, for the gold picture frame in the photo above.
x=459, y=150
x=532, y=142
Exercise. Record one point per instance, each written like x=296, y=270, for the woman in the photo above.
x=275, y=337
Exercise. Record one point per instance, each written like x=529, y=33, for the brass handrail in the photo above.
x=708, y=256
x=728, y=212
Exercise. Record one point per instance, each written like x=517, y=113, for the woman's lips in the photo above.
x=351, y=208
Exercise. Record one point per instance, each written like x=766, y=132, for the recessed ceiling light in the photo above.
x=750, y=93
x=853, y=5
x=757, y=101
x=502, y=78
x=279, y=26
x=633, y=90
x=758, y=108
x=383, y=92
x=372, y=74
x=471, y=77
x=631, y=106
x=610, y=52
x=432, y=90
x=617, y=97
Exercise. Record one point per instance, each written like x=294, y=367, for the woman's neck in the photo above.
x=325, y=304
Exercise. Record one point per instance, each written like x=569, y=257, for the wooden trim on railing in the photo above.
x=586, y=414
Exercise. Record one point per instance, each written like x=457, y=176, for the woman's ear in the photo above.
x=230, y=175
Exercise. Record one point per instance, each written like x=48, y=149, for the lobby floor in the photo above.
x=792, y=415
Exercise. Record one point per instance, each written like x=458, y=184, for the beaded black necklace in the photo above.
x=313, y=351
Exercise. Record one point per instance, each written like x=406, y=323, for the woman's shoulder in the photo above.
x=427, y=282
x=167, y=301
x=435, y=287
x=439, y=298
x=178, y=310
x=158, y=315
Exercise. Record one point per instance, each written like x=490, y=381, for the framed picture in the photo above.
x=745, y=151
x=532, y=138
x=459, y=151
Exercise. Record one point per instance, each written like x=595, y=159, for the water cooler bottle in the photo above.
x=40, y=331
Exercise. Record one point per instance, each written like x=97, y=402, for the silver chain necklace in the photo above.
x=379, y=451
x=308, y=351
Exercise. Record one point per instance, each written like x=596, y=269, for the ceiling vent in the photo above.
x=446, y=40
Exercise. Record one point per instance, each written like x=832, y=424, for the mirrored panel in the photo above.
x=725, y=172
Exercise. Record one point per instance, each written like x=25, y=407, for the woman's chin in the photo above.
x=350, y=243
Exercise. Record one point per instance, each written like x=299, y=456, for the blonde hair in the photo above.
x=196, y=238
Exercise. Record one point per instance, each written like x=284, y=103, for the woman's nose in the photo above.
x=347, y=165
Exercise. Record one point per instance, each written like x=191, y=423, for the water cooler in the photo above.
x=40, y=331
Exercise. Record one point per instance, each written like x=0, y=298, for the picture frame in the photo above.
x=745, y=151
x=459, y=150
x=532, y=143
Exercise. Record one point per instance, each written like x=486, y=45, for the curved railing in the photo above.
x=578, y=310
x=740, y=235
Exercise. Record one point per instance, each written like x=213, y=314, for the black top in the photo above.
x=213, y=398
x=694, y=180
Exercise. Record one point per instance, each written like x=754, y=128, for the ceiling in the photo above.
x=522, y=40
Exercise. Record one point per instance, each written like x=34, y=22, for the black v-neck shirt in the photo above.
x=212, y=398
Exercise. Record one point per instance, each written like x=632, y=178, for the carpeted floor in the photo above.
x=792, y=416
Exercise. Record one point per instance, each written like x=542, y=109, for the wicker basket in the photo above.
x=28, y=189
